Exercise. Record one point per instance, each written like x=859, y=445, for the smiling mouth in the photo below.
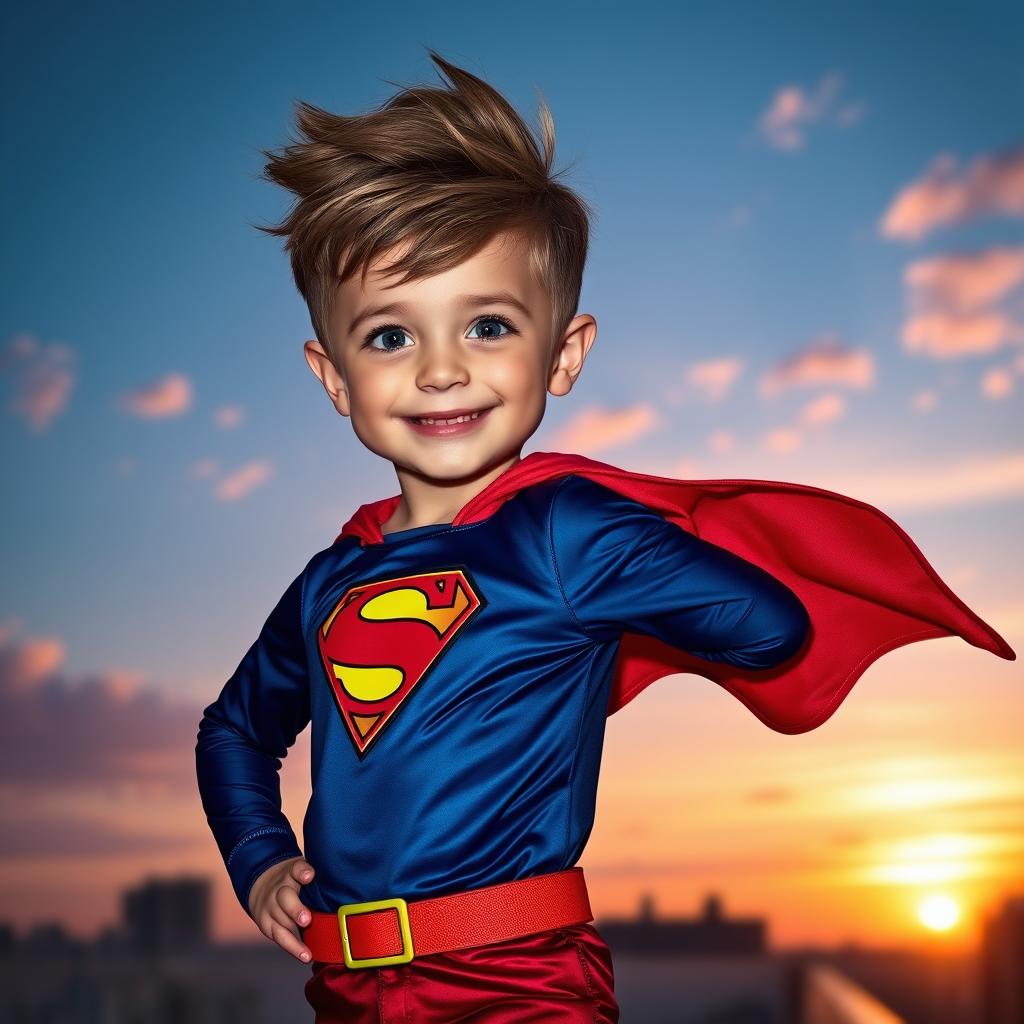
x=447, y=420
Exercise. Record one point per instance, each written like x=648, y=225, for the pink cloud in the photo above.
x=792, y=109
x=824, y=409
x=228, y=416
x=947, y=335
x=925, y=401
x=104, y=728
x=965, y=281
x=990, y=185
x=169, y=396
x=29, y=663
x=721, y=442
x=43, y=377
x=243, y=480
x=981, y=478
x=596, y=429
x=782, y=440
x=997, y=383
x=122, y=685
x=824, y=361
x=715, y=377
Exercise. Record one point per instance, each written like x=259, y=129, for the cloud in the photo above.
x=596, y=429
x=782, y=440
x=824, y=361
x=997, y=382
x=715, y=377
x=721, y=442
x=33, y=661
x=925, y=401
x=824, y=409
x=952, y=301
x=57, y=836
x=965, y=282
x=792, y=109
x=946, y=483
x=73, y=733
x=990, y=185
x=238, y=484
x=169, y=396
x=42, y=375
x=945, y=335
x=229, y=416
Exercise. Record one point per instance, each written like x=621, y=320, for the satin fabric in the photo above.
x=863, y=580
x=487, y=771
x=562, y=976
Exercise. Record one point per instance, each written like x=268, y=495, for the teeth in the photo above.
x=456, y=419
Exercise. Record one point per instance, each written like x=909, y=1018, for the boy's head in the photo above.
x=438, y=196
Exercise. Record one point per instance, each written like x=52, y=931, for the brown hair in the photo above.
x=442, y=169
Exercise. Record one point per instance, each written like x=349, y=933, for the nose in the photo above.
x=441, y=365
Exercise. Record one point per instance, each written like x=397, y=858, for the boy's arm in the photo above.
x=242, y=736
x=623, y=567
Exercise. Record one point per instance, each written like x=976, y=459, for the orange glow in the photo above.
x=938, y=912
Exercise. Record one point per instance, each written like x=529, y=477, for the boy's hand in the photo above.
x=275, y=906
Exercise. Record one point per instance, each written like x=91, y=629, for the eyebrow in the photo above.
x=502, y=298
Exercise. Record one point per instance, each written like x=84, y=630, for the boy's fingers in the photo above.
x=288, y=941
x=288, y=900
x=302, y=871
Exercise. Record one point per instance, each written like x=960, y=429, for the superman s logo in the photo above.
x=381, y=639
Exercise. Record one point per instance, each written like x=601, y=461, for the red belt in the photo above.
x=384, y=932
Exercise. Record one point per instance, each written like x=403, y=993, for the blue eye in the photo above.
x=392, y=329
x=387, y=329
x=509, y=329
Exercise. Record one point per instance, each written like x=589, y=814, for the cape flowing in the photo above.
x=866, y=586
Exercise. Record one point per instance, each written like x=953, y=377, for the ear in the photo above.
x=327, y=373
x=571, y=350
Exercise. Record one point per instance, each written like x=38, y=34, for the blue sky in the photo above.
x=807, y=264
x=133, y=188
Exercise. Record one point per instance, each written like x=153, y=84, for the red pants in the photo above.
x=561, y=976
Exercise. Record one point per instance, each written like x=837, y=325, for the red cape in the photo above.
x=867, y=587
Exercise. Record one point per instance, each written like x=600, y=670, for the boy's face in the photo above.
x=439, y=348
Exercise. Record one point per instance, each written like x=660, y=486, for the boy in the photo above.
x=459, y=646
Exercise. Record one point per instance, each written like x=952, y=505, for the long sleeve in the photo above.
x=623, y=567
x=242, y=737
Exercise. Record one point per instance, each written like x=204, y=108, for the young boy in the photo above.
x=460, y=645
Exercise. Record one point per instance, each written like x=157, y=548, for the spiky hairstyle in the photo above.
x=441, y=169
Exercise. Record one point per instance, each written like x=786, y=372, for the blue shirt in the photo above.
x=457, y=681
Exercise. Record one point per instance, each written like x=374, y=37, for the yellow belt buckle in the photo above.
x=349, y=909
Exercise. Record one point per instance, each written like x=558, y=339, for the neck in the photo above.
x=426, y=500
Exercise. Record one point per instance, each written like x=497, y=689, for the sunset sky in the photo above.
x=807, y=264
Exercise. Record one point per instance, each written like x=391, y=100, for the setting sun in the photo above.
x=938, y=913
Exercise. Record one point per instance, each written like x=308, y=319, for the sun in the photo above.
x=938, y=912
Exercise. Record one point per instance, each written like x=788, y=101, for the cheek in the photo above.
x=516, y=378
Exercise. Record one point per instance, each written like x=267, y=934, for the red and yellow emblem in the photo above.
x=383, y=636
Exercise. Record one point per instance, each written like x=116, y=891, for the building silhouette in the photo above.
x=167, y=915
x=1002, y=964
x=158, y=965
x=711, y=933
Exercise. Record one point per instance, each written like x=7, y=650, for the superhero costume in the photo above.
x=458, y=676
